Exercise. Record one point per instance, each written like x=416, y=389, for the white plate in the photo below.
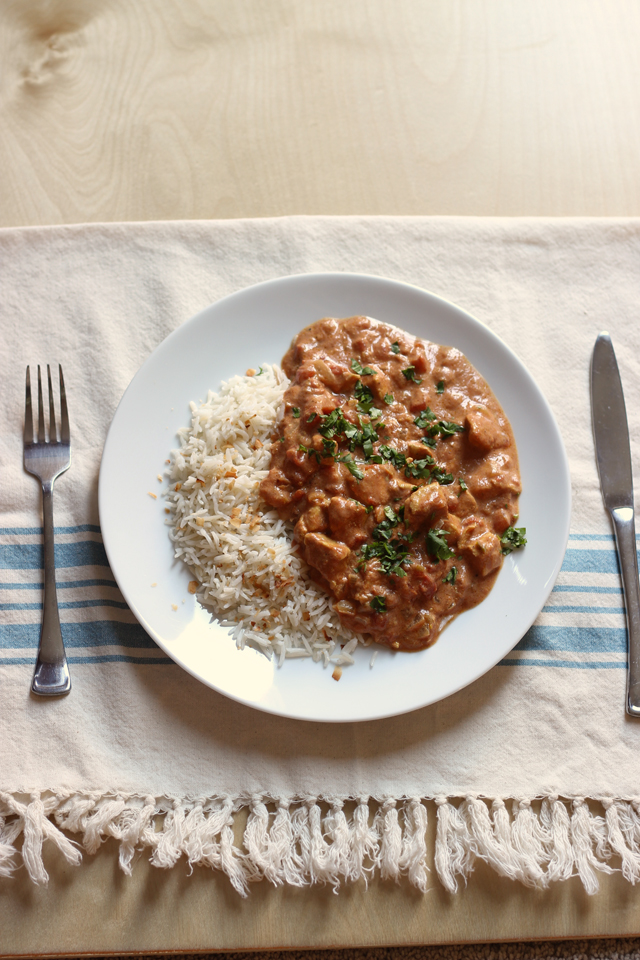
x=245, y=330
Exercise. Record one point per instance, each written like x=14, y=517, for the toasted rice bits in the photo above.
x=244, y=563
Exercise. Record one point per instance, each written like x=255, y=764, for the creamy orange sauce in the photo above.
x=400, y=470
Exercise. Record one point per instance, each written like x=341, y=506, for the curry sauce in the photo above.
x=400, y=471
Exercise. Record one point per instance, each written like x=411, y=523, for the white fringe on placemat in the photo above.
x=326, y=840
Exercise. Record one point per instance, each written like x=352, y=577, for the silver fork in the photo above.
x=46, y=460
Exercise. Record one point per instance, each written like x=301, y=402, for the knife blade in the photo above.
x=613, y=456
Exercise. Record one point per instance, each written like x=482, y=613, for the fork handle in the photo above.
x=51, y=677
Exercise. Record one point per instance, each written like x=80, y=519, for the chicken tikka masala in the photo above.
x=400, y=471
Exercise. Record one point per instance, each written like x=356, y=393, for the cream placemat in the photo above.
x=143, y=752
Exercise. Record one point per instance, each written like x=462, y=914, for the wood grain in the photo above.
x=164, y=109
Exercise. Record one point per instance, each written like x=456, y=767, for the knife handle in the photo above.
x=625, y=530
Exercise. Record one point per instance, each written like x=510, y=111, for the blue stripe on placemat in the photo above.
x=107, y=658
x=17, y=555
x=571, y=664
x=29, y=556
x=95, y=633
x=576, y=639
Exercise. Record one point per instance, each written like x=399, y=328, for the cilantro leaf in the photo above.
x=391, y=555
x=440, y=386
x=437, y=546
x=394, y=456
x=357, y=367
x=295, y=411
x=512, y=539
x=379, y=604
x=451, y=576
x=463, y=485
x=364, y=396
x=351, y=465
x=444, y=428
x=420, y=469
x=329, y=448
x=388, y=398
x=424, y=418
x=443, y=478
x=409, y=373
x=384, y=530
x=395, y=347
x=333, y=423
x=312, y=417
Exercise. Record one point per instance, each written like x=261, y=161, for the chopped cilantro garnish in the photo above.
x=444, y=428
x=357, y=367
x=329, y=448
x=384, y=530
x=388, y=398
x=379, y=604
x=333, y=423
x=295, y=411
x=440, y=386
x=394, y=456
x=424, y=418
x=351, y=465
x=420, y=469
x=390, y=554
x=260, y=371
x=437, y=546
x=451, y=576
x=395, y=347
x=309, y=451
x=512, y=539
x=463, y=486
x=428, y=442
x=365, y=400
x=281, y=439
x=311, y=417
x=409, y=373
x=368, y=508
x=443, y=478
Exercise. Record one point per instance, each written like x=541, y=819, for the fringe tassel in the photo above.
x=325, y=840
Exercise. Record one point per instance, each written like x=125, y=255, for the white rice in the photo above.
x=239, y=550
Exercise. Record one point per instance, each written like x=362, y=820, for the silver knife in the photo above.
x=613, y=455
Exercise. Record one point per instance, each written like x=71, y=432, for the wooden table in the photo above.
x=164, y=109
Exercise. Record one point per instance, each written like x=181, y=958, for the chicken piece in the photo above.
x=461, y=503
x=480, y=546
x=454, y=529
x=329, y=558
x=334, y=478
x=314, y=520
x=334, y=374
x=484, y=431
x=377, y=484
x=426, y=505
x=347, y=521
x=495, y=476
x=380, y=386
x=276, y=490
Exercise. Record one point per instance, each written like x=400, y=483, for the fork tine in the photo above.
x=28, y=412
x=41, y=433
x=64, y=415
x=53, y=433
